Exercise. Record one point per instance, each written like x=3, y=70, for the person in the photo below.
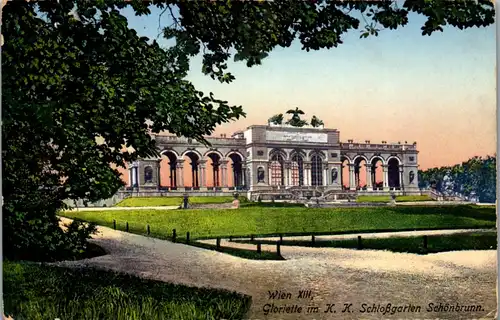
x=185, y=201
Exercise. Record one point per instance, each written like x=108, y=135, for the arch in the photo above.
x=377, y=173
x=185, y=153
x=360, y=171
x=168, y=160
x=316, y=169
x=393, y=157
x=148, y=174
x=276, y=166
x=281, y=152
x=344, y=171
x=168, y=150
x=393, y=172
x=359, y=156
x=375, y=157
x=319, y=153
x=195, y=158
x=214, y=162
x=209, y=152
x=236, y=169
x=345, y=157
x=228, y=154
x=298, y=152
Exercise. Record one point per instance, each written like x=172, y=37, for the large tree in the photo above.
x=73, y=71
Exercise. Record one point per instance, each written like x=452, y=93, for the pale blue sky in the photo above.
x=437, y=90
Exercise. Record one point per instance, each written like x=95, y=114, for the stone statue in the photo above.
x=260, y=174
x=185, y=201
x=412, y=176
x=335, y=174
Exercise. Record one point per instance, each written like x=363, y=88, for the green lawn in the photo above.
x=435, y=243
x=34, y=291
x=173, y=201
x=210, y=223
x=388, y=198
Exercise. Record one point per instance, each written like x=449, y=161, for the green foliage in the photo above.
x=316, y=122
x=475, y=177
x=211, y=223
x=276, y=119
x=68, y=79
x=39, y=292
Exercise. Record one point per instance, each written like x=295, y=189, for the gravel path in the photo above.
x=334, y=276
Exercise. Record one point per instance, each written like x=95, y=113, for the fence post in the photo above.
x=187, y=237
x=230, y=238
x=149, y=230
x=251, y=237
x=281, y=237
x=259, y=248
x=218, y=244
x=174, y=235
x=360, y=245
x=278, y=247
x=126, y=226
x=114, y=224
x=313, y=240
x=425, y=242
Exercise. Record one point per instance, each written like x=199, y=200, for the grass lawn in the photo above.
x=211, y=223
x=34, y=291
x=388, y=198
x=173, y=201
x=435, y=243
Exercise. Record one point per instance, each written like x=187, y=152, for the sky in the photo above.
x=437, y=90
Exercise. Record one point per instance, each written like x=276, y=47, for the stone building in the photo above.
x=277, y=158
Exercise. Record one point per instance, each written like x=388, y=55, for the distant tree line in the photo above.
x=475, y=178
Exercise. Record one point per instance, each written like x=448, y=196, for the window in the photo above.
x=297, y=168
x=260, y=153
x=277, y=176
x=148, y=174
x=412, y=159
x=333, y=155
x=316, y=171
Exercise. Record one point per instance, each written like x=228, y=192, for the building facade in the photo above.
x=277, y=158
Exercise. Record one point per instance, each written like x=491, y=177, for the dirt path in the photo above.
x=334, y=276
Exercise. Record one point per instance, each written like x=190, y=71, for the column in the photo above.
x=369, y=185
x=158, y=174
x=401, y=178
x=386, y=177
x=268, y=174
x=325, y=176
x=201, y=169
x=224, y=174
x=352, y=178
x=180, y=173
x=243, y=176
x=130, y=177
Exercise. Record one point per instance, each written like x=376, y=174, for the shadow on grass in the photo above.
x=242, y=253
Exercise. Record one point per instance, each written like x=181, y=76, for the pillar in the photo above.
x=201, y=169
x=130, y=177
x=401, y=177
x=352, y=178
x=243, y=176
x=369, y=184
x=386, y=177
x=158, y=174
x=180, y=173
x=325, y=176
x=223, y=176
